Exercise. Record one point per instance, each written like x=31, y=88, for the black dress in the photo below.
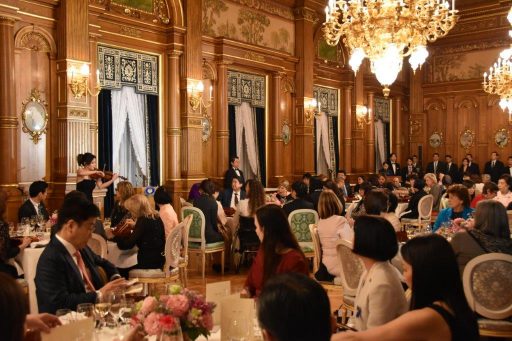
x=209, y=207
x=149, y=236
x=460, y=330
x=86, y=186
x=7, y=250
x=118, y=213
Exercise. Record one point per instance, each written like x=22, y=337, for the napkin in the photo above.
x=41, y=243
x=74, y=330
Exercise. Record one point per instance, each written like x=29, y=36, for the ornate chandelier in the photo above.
x=386, y=31
x=499, y=80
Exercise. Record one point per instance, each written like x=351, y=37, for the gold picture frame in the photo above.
x=467, y=139
x=34, y=116
x=501, y=137
x=206, y=124
x=286, y=132
x=436, y=139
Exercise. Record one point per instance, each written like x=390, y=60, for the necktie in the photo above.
x=435, y=167
x=493, y=164
x=40, y=210
x=345, y=193
x=83, y=270
x=410, y=169
x=236, y=199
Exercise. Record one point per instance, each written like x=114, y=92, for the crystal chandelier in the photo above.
x=499, y=80
x=386, y=31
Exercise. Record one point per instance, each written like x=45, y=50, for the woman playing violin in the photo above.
x=88, y=176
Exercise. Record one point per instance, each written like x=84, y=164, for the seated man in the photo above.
x=67, y=273
x=34, y=206
x=232, y=196
x=299, y=194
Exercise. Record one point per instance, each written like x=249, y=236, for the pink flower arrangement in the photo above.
x=167, y=313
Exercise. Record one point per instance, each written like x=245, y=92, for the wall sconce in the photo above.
x=195, y=91
x=362, y=116
x=311, y=108
x=78, y=82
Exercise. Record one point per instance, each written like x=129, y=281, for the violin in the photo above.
x=107, y=176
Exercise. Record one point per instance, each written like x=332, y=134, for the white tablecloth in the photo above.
x=121, y=258
x=28, y=259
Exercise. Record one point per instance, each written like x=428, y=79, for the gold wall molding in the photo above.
x=477, y=25
x=130, y=31
x=173, y=131
x=159, y=14
x=481, y=45
x=307, y=14
x=36, y=39
x=8, y=122
x=415, y=127
x=267, y=7
x=254, y=56
x=78, y=113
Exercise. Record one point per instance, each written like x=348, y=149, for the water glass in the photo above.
x=65, y=315
x=107, y=223
x=126, y=311
x=33, y=221
x=102, y=310
x=86, y=309
x=115, y=298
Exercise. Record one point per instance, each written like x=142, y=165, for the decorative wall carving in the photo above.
x=327, y=98
x=246, y=87
x=35, y=41
x=254, y=56
x=307, y=14
x=156, y=11
x=415, y=128
x=130, y=31
x=381, y=109
x=78, y=113
x=267, y=7
x=119, y=67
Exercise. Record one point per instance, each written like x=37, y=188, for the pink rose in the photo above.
x=152, y=324
x=168, y=323
x=178, y=304
x=208, y=321
x=149, y=304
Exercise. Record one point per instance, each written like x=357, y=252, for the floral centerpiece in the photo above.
x=181, y=311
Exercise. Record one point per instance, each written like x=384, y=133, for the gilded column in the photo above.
x=173, y=118
x=371, y=135
x=347, y=121
x=397, y=129
x=221, y=119
x=276, y=174
x=8, y=118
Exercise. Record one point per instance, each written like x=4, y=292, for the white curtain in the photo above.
x=247, y=140
x=323, y=153
x=129, y=133
x=380, y=144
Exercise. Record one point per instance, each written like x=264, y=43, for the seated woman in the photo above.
x=412, y=207
x=331, y=227
x=283, y=193
x=88, y=176
x=488, y=232
x=148, y=234
x=254, y=198
x=124, y=190
x=438, y=308
x=470, y=185
x=286, y=312
x=360, y=180
x=208, y=205
x=279, y=251
x=386, y=169
x=359, y=209
x=380, y=297
x=165, y=209
x=458, y=202
x=376, y=202
x=433, y=188
x=331, y=186
x=489, y=191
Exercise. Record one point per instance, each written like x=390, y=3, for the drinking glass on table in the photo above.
x=102, y=310
x=126, y=310
x=239, y=330
x=115, y=298
x=12, y=229
x=86, y=310
x=107, y=223
x=64, y=315
x=33, y=222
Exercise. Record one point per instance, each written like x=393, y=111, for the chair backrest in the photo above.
x=196, y=231
x=299, y=222
x=443, y=202
x=425, y=207
x=98, y=245
x=184, y=203
x=317, y=247
x=184, y=236
x=348, y=212
x=351, y=267
x=173, y=247
x=487, y=284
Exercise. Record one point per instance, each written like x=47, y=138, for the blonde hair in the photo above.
x=329, y=205
x=138, y=205
x=431, y=176
x=125, y=190
x=285, y=184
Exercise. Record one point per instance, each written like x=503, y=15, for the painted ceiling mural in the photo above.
x=254, y=22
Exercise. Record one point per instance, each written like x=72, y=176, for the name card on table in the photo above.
x=237, y=318
x=215, y=292
x=77, y=330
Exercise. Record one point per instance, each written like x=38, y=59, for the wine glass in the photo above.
x=126, y=310
x=115, y=298
x=239, y=330
x=107, y=223
x=102, y=310
x=33, y=221
x=86, y=309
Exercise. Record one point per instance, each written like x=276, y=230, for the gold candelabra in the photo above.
x=195, y=89
x=386, y=31
x=78, y=82
x=311, y=108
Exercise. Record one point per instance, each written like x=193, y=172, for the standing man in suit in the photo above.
x=233, y=171
x=473, y=166
x=508, y=168
x=417, y=165
x=393, y=165
x=67, y=272
x=232, y=196
x=299, y=194
x=452, y=170
x=34, y=206
x=494, y=167
x=436, y=166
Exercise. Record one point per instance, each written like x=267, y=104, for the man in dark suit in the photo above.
x=34, y=206
x=494, y=167
x=299, y=194
x=233, y=172
x=67, y=272
x=473, y=166
x=436, y=166
x=508, y=167
x=417, y=165
x=343, y=184
x=452, y=170
x=409, y=170
x=393, y=165
x=232, y=196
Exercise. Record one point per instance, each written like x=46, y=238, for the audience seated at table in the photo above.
x=194, y=192
x=438, y=307
x=148, y=234
x=489, y=191
x=283, y=193
x=279, y=251
x=360, y=180
x=380, y=297
x=34, y=206
x=331, y=186
x=343, y=183
x=165, y=210
x=67, y=273
x=488, y=232
x=208, y=205
x=306, y=178
x=504, y=194
x=383, y=183
x=286, y=312
x=359, y=209
x=124, y=190
x=386, y=169
x=299, y=194
x=315, y=189
x=418, y=193
x=331, y=227
x=232, y=196
x=9, y=248
x=458, y=202
x=434, y=189
x=255, y=197
x=376, y=202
